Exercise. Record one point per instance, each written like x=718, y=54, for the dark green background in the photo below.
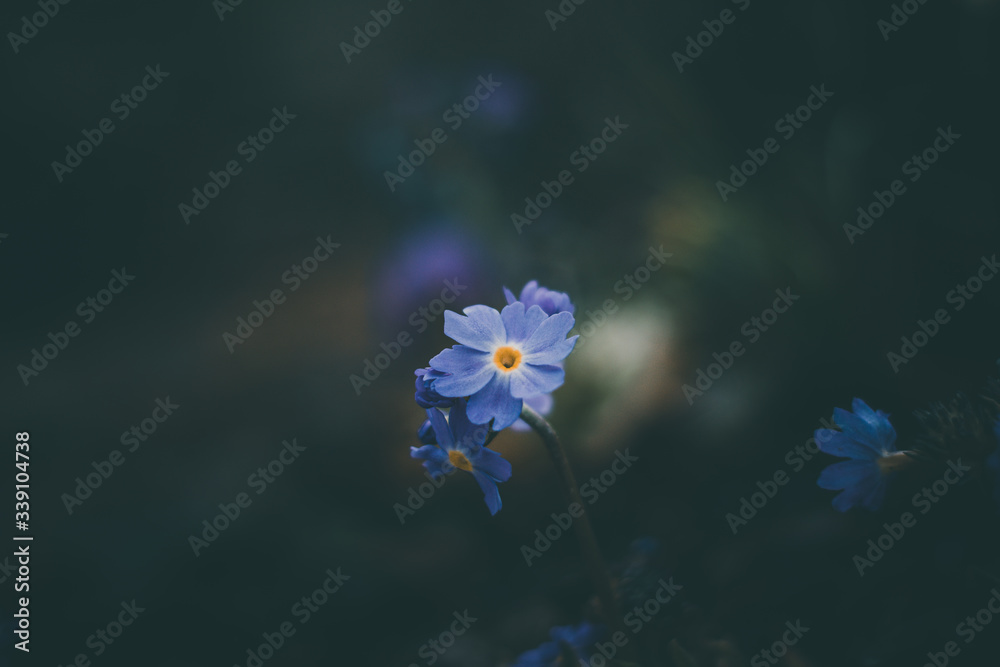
x=655, y=185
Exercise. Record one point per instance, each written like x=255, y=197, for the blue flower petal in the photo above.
x=552, y=355
x=441, y=429
x=856, y=427
x=481, y=328
x=425, y=395
x=548, y=333
x=879, y=421
x=847, y=473
x=509, y=296
x=540, y=403
x=543, y=656
x=426, y=433
x=863, y=410
x=495, y=402
x=491, y=494
x=469, y=371
x=435, y=460
x=529, y=380
x=886, y=432
x=848, y=498
x=492, y=464
x=521, y=321
x=469, y=437
x=428, y=453
x=840, y=444
x=529, y=290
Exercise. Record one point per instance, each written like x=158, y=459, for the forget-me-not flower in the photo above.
x=503, y=358
x=868, y=440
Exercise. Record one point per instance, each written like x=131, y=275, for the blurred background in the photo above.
x=229, y=68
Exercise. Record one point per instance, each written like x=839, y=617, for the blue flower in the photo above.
x=458, y=443
x=425, y=395
x=502, y=359
x=868, y=440
x=550, y=301
x=580, y=639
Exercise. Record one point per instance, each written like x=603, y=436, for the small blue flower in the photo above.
x=502, y=359
x=580, y=639
x=458, y=443
x=425, y=395
x=868, y=440
x=550, y=301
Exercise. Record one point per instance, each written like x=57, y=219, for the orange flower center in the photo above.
x=459, y=460
x=889, y=463
x=507, y=359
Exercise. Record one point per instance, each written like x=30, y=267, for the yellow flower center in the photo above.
x=507, y=359
x=459, y=460
x=891, y=462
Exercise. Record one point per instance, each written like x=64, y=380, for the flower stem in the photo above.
x=584, y=532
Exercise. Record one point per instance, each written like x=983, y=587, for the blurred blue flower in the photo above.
x=540, y=403
x=550, y=301
x=458, y=443
x=425, y=395
x=502, y=359
x=414, y=272
x=868, y=440
x=580, y=639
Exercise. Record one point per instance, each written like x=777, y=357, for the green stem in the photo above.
x=584, y=531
